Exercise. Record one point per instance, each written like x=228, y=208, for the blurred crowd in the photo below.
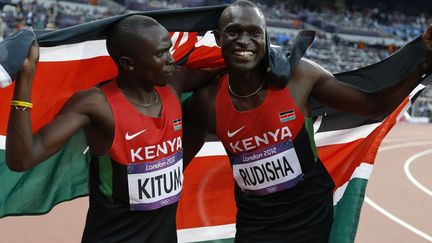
x=15, y=15
x=370, y=21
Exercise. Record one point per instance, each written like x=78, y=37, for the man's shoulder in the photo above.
x=92, y=99
x=308, y=66
x=308, y=70
x=94, y=93
x=207, y=93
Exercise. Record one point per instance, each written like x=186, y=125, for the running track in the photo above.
x=398, y=207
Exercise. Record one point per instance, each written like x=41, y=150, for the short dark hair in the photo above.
x=124, y=33
x=239, y=3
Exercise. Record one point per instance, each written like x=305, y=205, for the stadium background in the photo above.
x=351, y=34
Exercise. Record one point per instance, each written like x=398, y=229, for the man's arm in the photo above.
x=329, y=91
x=186, y=79
x=25, y=149
x=198, y=117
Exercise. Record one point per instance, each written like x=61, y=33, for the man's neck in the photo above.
x=136, y=90
x=245, y=82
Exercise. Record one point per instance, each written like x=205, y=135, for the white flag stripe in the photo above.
x=317, y=124
x=184, y=38
x=363, y=171
x=97, y=48
x=211, y=149
x=207, y=40
x=417, y=89
x=5, y=78
x=345, y=135
x=2, y=142
x=74, y=52
x=174, y=38
x=405, y=109
x=206, y=233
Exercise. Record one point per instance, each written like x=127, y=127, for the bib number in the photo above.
x=267, y=170
x=155, y=184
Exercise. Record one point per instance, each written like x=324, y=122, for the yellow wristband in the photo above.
x=19, y=103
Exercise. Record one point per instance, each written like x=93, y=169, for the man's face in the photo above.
x=153, y=61
x=242, y=37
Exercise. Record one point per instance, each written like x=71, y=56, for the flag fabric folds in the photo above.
x=76, y=58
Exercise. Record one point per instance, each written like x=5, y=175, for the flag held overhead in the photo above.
x=13, y=51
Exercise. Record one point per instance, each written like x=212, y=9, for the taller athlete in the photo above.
x=133, y=128
x=282, y=191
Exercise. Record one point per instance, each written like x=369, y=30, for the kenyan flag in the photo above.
x=75, y=58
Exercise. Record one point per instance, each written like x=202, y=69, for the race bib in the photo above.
x=267, y=170
x=155, y=184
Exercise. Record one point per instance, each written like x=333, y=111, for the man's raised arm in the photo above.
x=25, y=149
x=329, y=91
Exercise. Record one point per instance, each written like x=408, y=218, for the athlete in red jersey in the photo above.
x=133, y=128
x=282, y=191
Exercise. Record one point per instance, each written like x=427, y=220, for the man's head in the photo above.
x=139, y=46
x=241, y=35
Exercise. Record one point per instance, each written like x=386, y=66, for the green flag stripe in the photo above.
x=345, y=225
x=105, y=175
x=310, y=131
x=61, y=178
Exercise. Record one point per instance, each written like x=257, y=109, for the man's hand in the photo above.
x=28, y=67
x=427, y=44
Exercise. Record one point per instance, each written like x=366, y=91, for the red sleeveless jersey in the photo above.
x=264, y=159
x=276, y=119
x=150, y=148
x=140, y=138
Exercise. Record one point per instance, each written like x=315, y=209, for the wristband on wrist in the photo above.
x=21, y=105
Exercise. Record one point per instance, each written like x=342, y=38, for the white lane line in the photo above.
x=387, y=213
x=411, y=177
x=398, y=220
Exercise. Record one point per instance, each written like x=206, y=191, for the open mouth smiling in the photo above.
x=243, y=53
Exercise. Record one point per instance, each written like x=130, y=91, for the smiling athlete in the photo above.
x=282, y=190
x=133, y=128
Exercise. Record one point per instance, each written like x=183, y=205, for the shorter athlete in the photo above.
x=133, y=126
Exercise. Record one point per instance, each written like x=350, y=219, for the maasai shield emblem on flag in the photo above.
x=76, y=58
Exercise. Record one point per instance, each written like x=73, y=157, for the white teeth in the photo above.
x=244, y=53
